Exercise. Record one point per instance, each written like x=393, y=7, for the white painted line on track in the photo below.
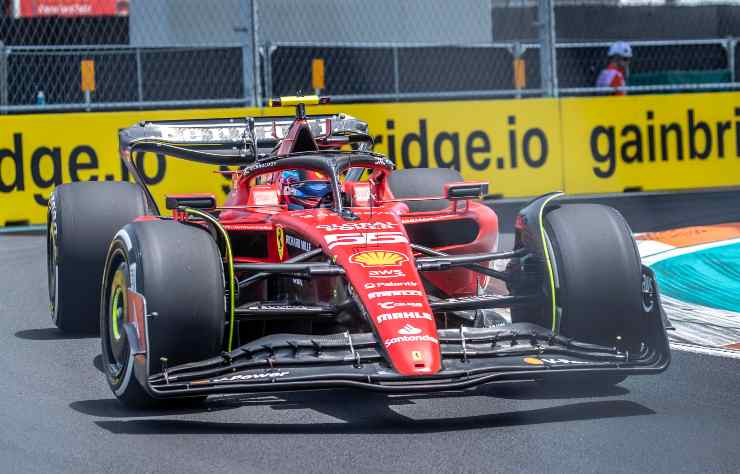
x=678, y=251
x=712, y=351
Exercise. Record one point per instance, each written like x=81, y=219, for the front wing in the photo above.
x=470, y=357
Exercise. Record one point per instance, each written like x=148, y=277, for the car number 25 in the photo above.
x=369, y=238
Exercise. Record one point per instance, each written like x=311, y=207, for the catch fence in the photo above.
x=165, y=54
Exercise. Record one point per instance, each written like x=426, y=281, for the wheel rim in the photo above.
x=648, y=293
x=52, y=269
x=116, y=310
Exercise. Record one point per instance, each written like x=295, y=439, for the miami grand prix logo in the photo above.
x=378, y=258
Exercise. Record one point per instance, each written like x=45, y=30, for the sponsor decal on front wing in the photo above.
x=388, y=293
x=552, y=361
x=469, y=299
x=246, y=377
x=404, y=315
x=423, y=338
x=286, y=308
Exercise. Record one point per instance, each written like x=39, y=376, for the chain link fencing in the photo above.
x=187, y=53
x=677, y=45
x=153, y=53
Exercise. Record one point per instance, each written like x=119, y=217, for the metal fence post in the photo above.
x=247, y=30
x=548, y=61
x=3, y=78
x=730, y=47
x=139, y=78
x=269, y=49
x=256, y=53
x=396, y=74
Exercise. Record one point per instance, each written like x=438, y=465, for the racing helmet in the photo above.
x=621, y=49
x=305, y=193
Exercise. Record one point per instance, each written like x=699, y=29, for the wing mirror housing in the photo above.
x=464, y=190
x=195, y=201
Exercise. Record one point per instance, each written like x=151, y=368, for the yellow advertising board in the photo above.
x=522, y=147
x=38, y=152
x=656, y=142
x=514, y=145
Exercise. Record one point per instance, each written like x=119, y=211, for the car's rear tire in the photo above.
x=423, y=182
x=598, y=276
x=82, y=219
x=179, y=271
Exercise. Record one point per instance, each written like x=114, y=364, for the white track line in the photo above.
x=677, y=251
x=712, y=351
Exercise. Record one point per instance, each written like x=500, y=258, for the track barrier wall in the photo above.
x=522, y=147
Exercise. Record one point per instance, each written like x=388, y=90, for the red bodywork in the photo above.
x=374, y=249
x=331, y=280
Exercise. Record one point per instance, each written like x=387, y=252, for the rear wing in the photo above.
x=234, y=141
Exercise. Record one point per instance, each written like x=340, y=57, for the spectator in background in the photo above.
x=616, y=72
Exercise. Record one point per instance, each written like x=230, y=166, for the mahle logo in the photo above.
x=378, y=258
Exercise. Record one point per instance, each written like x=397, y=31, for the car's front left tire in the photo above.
x=178, y=270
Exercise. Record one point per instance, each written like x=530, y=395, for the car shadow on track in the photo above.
x=333, y=402
x=536, y=391
x=360, y=412
x=50, y=334
x=371, y=421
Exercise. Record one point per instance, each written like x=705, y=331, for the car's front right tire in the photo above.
x=82, y=219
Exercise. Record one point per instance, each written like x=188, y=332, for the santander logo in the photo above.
x=409, y=330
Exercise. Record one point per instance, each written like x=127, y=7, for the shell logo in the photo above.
x=378, y=258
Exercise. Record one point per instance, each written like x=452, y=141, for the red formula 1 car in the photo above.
x=327, y=268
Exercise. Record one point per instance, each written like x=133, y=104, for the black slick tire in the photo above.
x=598, y=285
x=598, y=281
x=82, y=219
x=179, y=271
x=599, y=278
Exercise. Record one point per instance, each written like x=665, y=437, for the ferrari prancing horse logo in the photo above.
x=280, y=236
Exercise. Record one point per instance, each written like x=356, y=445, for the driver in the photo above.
x=303, y=189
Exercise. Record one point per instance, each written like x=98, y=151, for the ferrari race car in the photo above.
x=324, y=268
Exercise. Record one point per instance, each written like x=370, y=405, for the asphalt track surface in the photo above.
x=58, y=415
